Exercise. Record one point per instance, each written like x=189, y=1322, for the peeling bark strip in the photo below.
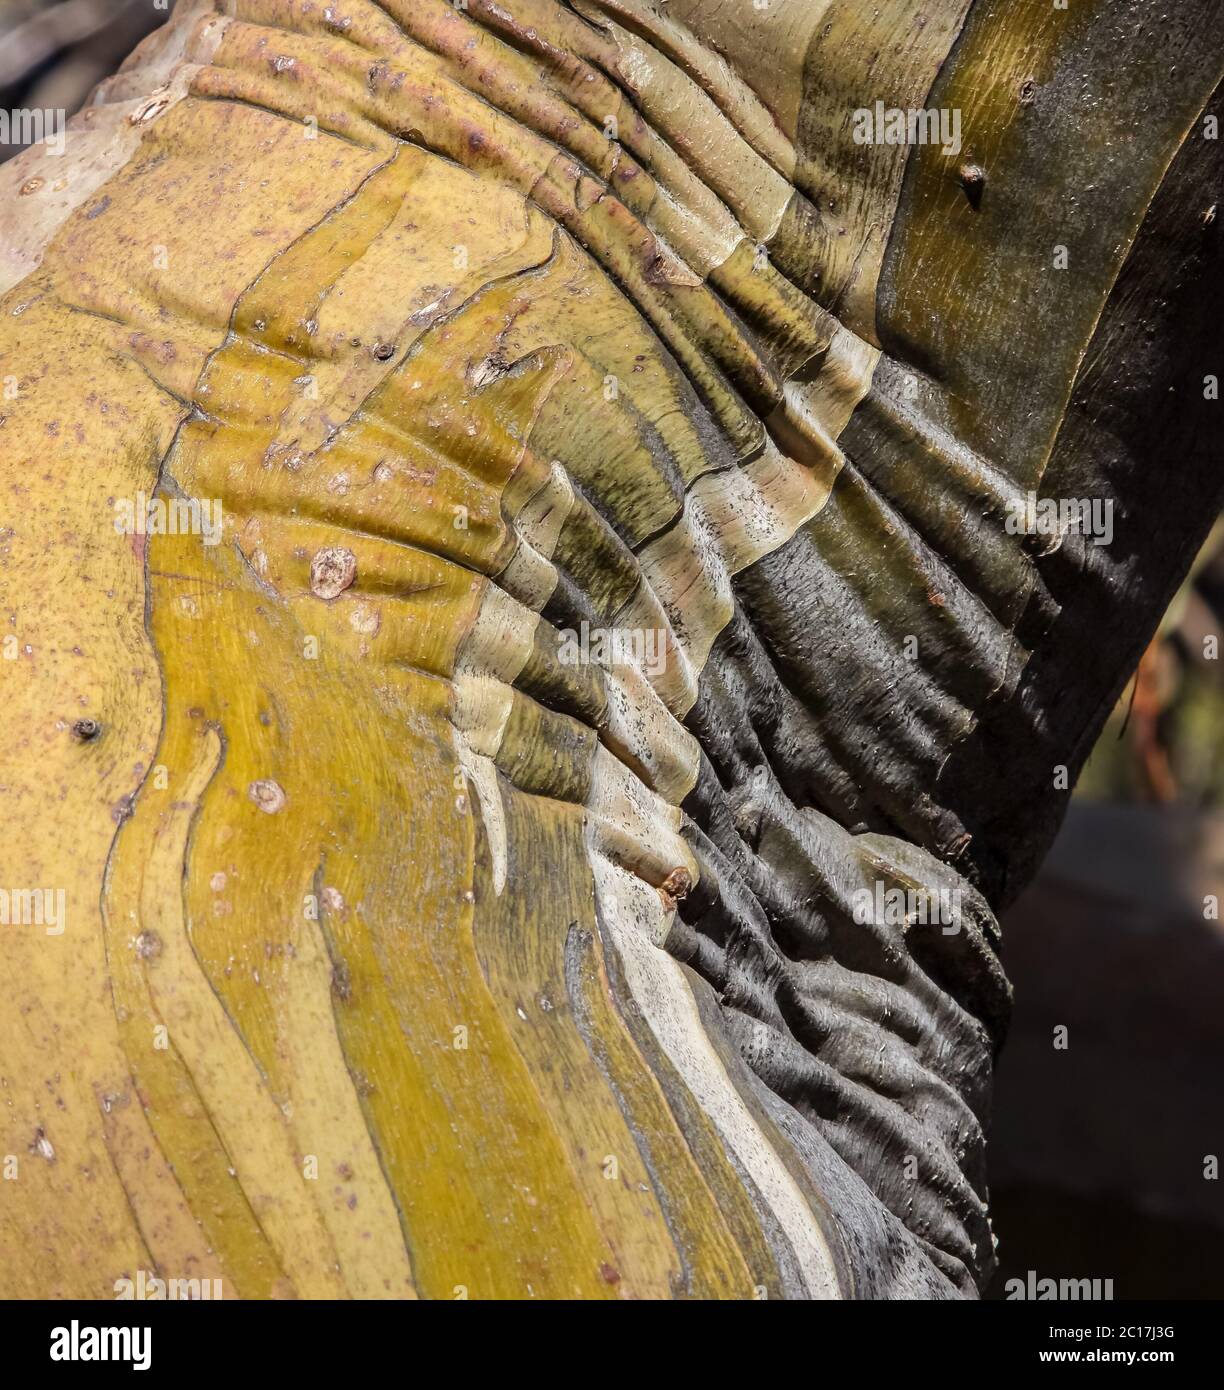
x=445, y=955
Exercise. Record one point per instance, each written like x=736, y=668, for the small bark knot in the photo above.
x=675, y=886
x=267, y=795
x=148, y=945
x=972, y=178
x=332, y=571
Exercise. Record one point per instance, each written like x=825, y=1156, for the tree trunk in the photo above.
x=547, y=606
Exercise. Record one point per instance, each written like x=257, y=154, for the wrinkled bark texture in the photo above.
x=420, y=940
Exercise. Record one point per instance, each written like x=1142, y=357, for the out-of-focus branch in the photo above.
x=53, y=55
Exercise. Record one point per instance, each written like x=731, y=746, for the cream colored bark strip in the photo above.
x=633, y=827
x=633, y=914
x=496, y=650
x=489, y=660
x=530, y=576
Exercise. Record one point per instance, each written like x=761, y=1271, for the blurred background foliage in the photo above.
x=1164, y=741
x=1100, y=1153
